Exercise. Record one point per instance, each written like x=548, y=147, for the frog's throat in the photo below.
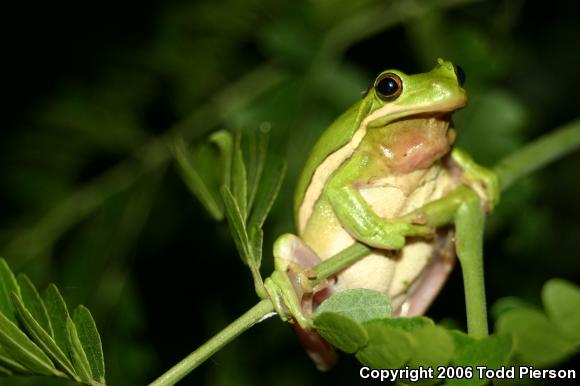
x=378, y=118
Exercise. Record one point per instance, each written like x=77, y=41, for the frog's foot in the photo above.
x=286, y=301
x=289, y=286
x=426, y=287
x=481, y=179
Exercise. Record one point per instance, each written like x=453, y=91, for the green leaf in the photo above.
x=195, y=182
x=8, y=284
x=256, y=151
x=91, y=341
x=257, y=239
x=389, y=347
x=562, y=302
x=224, y=141
x=33, y=302
x=507, y=304
x=5, y=371
x=341, y=331
x=77, y=353
x=409, y=324
x=357, y=304
x=58, y=313
x=433, y=346
x=537, y=341
x=24, y=351
x=11, y=365
x=491, y=352
x=239, y=178
x=42, y=338
x=237, y=226
x=268, y=191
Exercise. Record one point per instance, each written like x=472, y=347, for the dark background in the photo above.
x=90, y=200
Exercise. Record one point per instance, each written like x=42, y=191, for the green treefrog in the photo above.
x=386, y=157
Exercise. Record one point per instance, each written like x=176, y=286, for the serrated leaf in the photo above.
x=91, y=342
x=388, y=347
x=561, y=300
x=58, y=314
x=358, y=304
x=8, y=284
x=257, y=238
x=537, y=341
x=491, y=352
x=77, y=353
x=341, y=331
x=268, y=191
x=237, y=226
x=239, y=178
x=42, y=338
x=22, y=350
x=195, y=181
x=11, y=365
x=33, y=302
x=5, y=371
x=256, y=150
x=224, y=141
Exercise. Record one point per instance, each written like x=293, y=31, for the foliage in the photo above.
x=39, y=337
x=248, y=189
x=524, y=336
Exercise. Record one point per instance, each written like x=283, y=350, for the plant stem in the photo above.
x=469, y=227
x=339, y=261
x=186, y=365
x=538, y=153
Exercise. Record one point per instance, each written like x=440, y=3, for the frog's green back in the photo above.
x=333, y=138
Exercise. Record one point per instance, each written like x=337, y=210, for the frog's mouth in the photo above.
x=416, y=141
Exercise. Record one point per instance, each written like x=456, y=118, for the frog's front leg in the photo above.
x=359, y=219
x=482, y=180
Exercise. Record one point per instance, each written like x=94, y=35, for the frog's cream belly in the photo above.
x=390, y=272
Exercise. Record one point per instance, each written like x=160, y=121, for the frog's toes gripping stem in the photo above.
x=481, y=179
x=285, y=300
x=289, y=286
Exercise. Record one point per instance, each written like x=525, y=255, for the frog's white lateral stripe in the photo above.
x=330, y=164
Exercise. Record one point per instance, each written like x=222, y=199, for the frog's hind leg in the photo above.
x=295, y=300
x=426, y=288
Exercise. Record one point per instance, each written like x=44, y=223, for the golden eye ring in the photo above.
x=388, y=86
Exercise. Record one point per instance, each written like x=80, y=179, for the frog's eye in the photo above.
x=388, y=86
x=460, y=74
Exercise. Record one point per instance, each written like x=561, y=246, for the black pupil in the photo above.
x=460, y=75
x=387, y=86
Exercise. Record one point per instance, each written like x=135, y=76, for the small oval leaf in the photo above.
x=562, y=302
x=358, y=304
x=341, y=331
